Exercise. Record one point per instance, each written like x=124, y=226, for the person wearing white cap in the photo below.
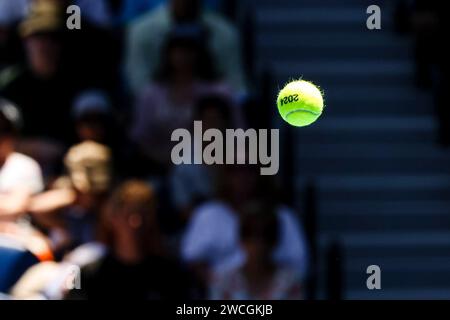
x=20, y=175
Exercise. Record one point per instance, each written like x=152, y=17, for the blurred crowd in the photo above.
x=86, y=180
x=426, y=21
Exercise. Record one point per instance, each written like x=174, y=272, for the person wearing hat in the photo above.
x=92, y=113
x=20, y=175
x=95, y=120
x=43, y=87
x=97, y=12
x=68, y=211
x=21, y=245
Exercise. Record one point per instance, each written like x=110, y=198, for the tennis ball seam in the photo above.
x=302, y=110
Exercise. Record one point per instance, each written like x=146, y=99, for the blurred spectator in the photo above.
x=59, y=64
x=259, y=278
x=432, y=58
x=15, y=259
x=52, y=280
x=96, y=12
x=23, y=234
x=20, y=176
x=70, y=211
x=48, y=89
x=211, y=241
x=92, y=112
x=95, y=120
x=135, y=267
x=193, y=184
x=133, y=9
x=148, y=35
x=426, y=20
x=168, y=104
x=89, y=166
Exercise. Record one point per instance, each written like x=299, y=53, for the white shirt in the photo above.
x=232, y=285
x=212, y=236
x=20, y=171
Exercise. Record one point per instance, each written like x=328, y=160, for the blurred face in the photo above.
x=6, y=147
x=182, y=60
x=257, y=248
x=185, y=10
x=91, y=180
x=132, y=222
x=212, y=119
x=43, y=53
x=241, y=182
x=92, y=128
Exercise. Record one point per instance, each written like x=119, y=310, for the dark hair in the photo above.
x=195, y=40
x=261, y=222
x=266, y=187
x=216, y=101
x=141, y=196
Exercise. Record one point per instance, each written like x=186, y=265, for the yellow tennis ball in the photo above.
x=300, y=103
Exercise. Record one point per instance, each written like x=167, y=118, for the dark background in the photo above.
x=369, y=181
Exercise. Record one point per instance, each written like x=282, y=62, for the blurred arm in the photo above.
x=51, y=201
x=14, y=203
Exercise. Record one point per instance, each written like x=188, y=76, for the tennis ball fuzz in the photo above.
x=300, y=103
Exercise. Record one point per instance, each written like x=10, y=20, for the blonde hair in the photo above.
x=90, y=167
